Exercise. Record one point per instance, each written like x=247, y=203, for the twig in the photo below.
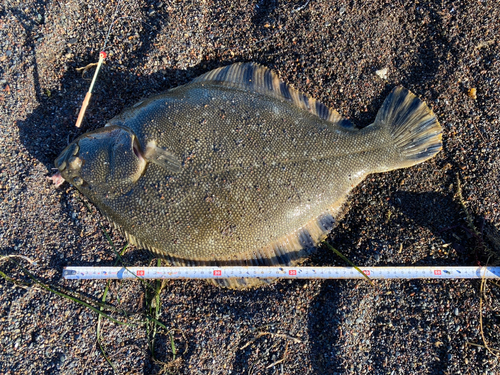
x=480, y=346
x=85, y=68
x=280, y=360
x=7, y=257
x=482, y=293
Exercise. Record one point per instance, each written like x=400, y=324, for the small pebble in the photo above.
x=472, y=93
x=382, y=73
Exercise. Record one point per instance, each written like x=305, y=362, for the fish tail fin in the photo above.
x=413, y=126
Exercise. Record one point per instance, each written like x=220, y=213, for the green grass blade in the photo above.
x=172, y=345
x=67, y=296
x=344, y=258
x=15, y=282
x=103, y=299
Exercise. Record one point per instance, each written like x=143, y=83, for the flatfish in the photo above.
x=238, y=168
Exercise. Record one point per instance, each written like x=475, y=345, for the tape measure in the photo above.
x=122, y=273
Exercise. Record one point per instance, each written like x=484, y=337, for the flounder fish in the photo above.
x=238, y=168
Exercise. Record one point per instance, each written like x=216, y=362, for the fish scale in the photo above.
x=238, y=168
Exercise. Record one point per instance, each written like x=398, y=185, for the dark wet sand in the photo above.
x=330, y=50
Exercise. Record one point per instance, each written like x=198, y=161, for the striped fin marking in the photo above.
x=257, y=78
x=288, y=250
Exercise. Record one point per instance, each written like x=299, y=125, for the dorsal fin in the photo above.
x=258, y=78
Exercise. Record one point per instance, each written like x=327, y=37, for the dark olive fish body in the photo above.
x=237, y=168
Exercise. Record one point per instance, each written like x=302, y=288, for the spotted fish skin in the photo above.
x=238, y=168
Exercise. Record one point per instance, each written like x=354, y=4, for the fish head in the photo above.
x=108, y=160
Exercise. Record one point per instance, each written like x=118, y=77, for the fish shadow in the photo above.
x=438, y=213
x=253, y=339
x=324, y=320
x=474, y=240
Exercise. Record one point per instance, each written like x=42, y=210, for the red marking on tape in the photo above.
x=366, y=272
x=292, y=272
x=140, y=272
x=217, y=273
x=437, y=272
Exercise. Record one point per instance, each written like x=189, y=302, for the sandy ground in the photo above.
x=438, y=49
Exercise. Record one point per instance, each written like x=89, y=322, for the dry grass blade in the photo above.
x=481, y=346
x=12, y=256
x=481, y=298
x=488, y=251
x=280, y=360
x=103, y=300
x=84, y=69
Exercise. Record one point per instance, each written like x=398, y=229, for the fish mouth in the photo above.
x=69, y=164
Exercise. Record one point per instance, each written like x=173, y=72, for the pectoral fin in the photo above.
x=162, y=157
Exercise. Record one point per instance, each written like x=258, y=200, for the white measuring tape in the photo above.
x=447, y=272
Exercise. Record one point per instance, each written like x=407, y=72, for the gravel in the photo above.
x=332, y=50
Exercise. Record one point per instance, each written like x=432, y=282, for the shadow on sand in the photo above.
x=47, y=131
